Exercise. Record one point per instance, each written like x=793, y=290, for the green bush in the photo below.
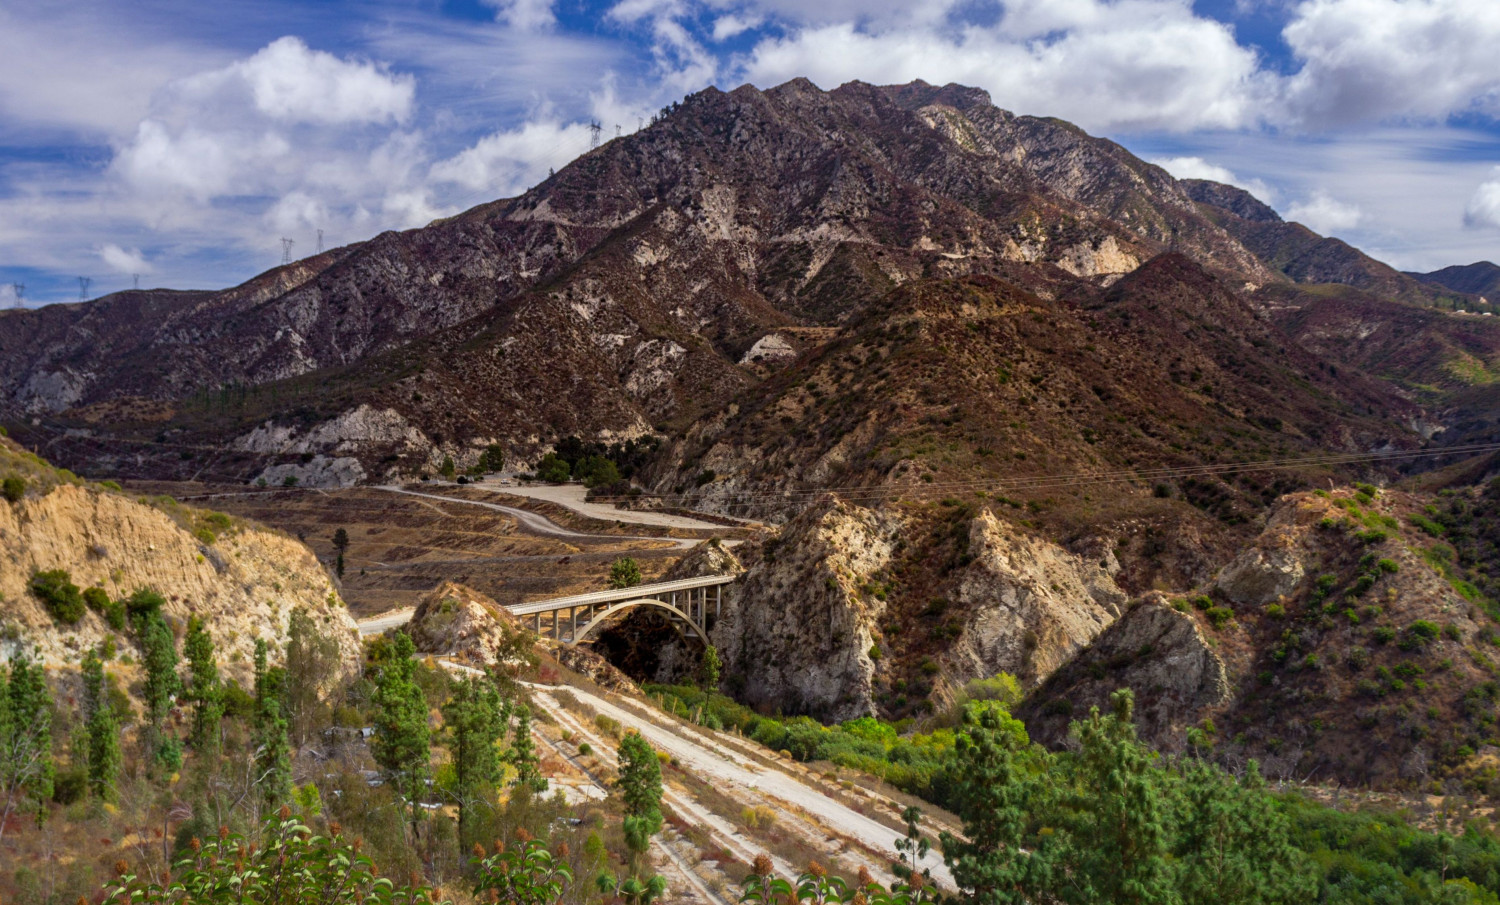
x=96, y=598
x=553, y=469
x=14, y=488
x=1220, y=616
x=56, y=591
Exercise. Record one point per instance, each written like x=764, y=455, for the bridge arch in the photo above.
x=614, y=609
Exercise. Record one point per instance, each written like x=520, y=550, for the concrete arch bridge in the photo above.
x=693, y=605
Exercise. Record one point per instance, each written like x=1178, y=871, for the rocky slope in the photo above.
x=1480, y=278
x=1340, y=644
x=654, y=279
x=244, y=581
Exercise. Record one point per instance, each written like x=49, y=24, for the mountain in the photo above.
x=633, y=291
x=1481, y=278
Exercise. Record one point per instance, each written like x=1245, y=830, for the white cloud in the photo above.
x=122, y=260
x=1323, y=214
x=1126, y=65
x=726, y=27
x=1483, y=210
x=290, y=82
x=525, y=15
x=507, y=162
x=1370, y=60
x=1198, y=168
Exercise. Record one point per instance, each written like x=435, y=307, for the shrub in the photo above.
x=14, y=488
x=585, y=749
x=96, y=598
x=1384, y=634
x=61, y=597
x=1423, y=631
x=1388, y=565
x=1276, y=611
x=1219, y=616
x=1372, y=537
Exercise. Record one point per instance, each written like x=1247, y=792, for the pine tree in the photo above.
x=273, y=749
x=1000, y=785
x=476, y=724
x=26, y=769
x=1233, y=846
x=1117, y=824
x=523, y=754
x=102, y=728
x=312, y=663
x=402, y=742
x=203, y=689
x=340, y=544
x=639, y=783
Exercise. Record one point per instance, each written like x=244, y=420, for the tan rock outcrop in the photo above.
x=458, y=621
x=1161, y=654
x=799, y=635
x=1032, y=604
x=245, y=584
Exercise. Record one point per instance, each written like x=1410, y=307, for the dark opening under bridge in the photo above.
x=692, y=604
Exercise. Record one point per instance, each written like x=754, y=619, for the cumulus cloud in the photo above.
x=526, y=15
x=1127, y=65
x=726, y=27
x=1323, y=214
x=1483, y=210
x=1198, y=168
x=290, y=82
x=507, y=162
x=1365, y=60
x=124, y=260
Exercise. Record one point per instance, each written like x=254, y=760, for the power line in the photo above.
x=83, y=288
x=594, y=129
x=19, y=290
x=286, y=250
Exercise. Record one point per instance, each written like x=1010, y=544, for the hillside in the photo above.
x=655, y=279
x=240, y=578
x=1480, y=278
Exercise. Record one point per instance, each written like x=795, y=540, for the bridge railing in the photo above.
x=686, y=601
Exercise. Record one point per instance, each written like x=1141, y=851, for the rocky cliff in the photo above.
x=243, y=580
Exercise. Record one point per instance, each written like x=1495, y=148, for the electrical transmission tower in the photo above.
x=286, y=250
x=594, y=130
x=83, y=288
x=320, y=241
x=20, y=291
x=136, y=278
x=617, y=130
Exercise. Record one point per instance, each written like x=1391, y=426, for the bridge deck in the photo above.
x=611, y=596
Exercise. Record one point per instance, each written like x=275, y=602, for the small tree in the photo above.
x=639, y=783
x=203, y=689
x=273, y=749
x=625, y=572
x=709, y=669
x=25, y=739
x=403, y=740
x=312, y=664
x=476, y=723
x=523, y=754
x=493, y=458
x=553, y=469
x=341, y=544
x=101, y=728
x=448, y=470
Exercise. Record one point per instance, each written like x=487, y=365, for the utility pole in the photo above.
x=320, y=241
x=83, y=288
x=286, y=250
x=594, y=130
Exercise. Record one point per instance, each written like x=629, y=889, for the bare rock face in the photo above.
x=244, y=584
x=1276, y=562
x=708, y=558
x=319, y=471
x=1033, y=604
x=1161, y=654
x=800, y=633
x=457, y=621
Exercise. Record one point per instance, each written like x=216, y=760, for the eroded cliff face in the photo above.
x=1178, y=675
x=245, y=584
x=800, y=634
x=1031, y=605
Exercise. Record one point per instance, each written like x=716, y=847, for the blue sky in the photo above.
x=178, y=142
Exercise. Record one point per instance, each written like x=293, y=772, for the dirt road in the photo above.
x=574, y=497
x=540, y=524
x=719, y=766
